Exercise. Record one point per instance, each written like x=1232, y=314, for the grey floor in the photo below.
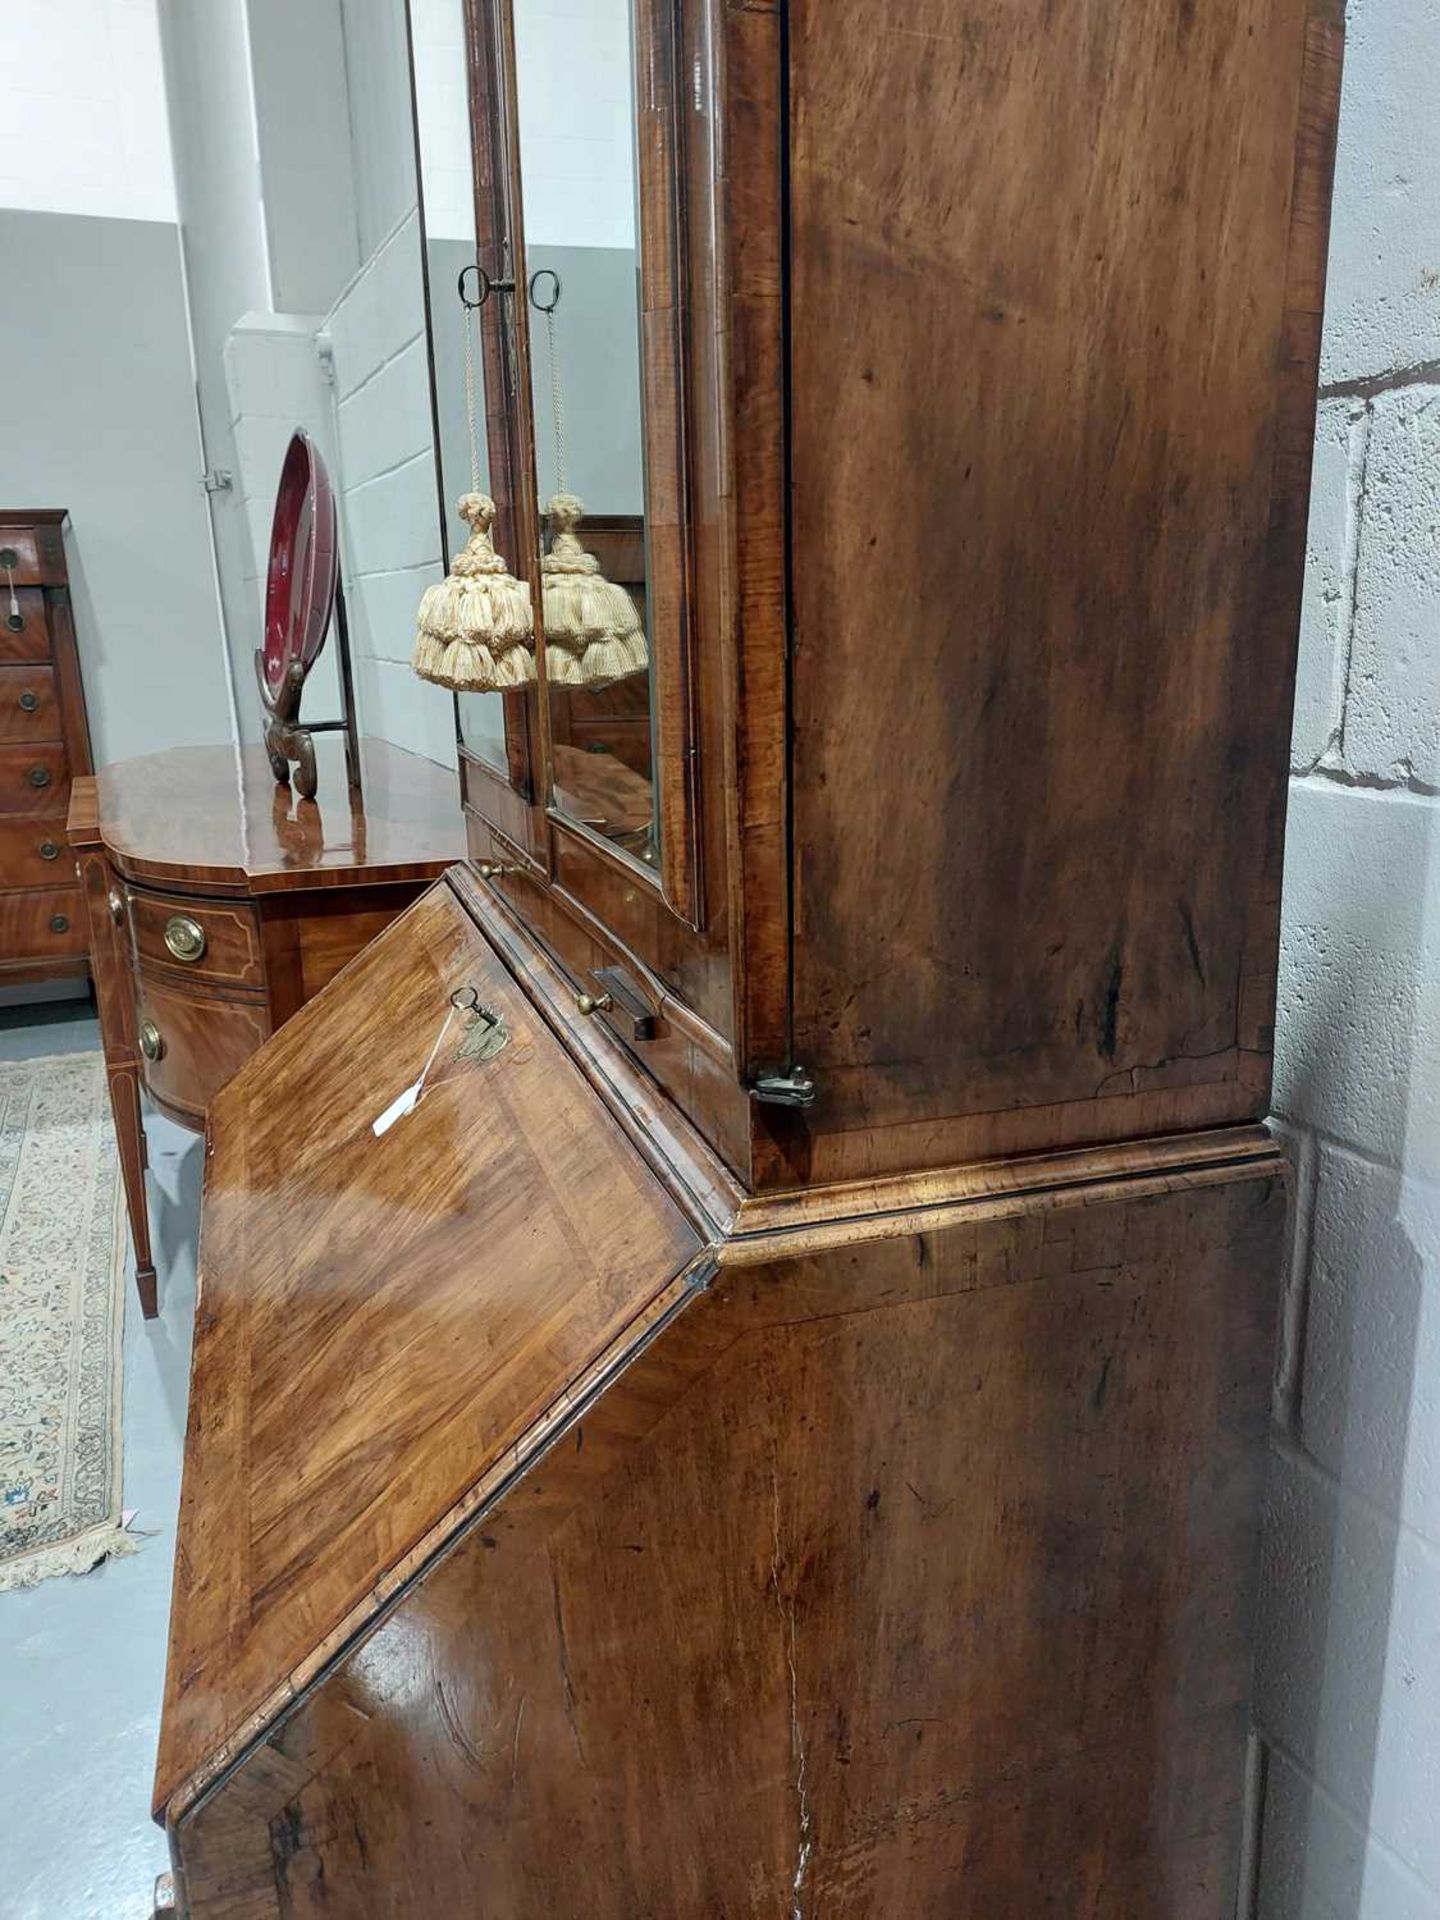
x=83, y=1658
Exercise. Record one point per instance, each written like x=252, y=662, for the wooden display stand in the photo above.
x=741, y=1387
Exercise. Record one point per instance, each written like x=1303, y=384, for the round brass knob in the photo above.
x=49, y=850
x=588, y=1003
x=185, y=937
x=491, y=870
x=29, y=701
x=59, y=923
x=116, y=903
x=152, y=1041
x=15, y=622
x=39, y=776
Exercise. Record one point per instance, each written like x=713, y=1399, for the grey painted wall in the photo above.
x=222, y=225
x=597, y=334
x=302, y=116
x=100, y=418
x=377, y=76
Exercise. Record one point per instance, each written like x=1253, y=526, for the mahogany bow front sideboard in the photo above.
x=218, y=904
x=732, y=1375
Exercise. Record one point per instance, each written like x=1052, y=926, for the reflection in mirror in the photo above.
x=307, y=313
x=579, y=186
x=442, y=115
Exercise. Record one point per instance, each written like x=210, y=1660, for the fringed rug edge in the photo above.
x=83, y=1552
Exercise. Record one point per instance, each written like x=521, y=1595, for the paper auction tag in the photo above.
x=402, y=1104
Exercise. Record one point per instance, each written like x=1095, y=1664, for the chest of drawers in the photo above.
x=44, y=743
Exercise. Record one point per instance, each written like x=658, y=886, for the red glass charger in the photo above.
x=304, y=564
x=300, y=586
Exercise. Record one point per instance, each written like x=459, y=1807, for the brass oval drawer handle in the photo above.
x=588, y=1003
x=39, y=776
x=29, y=702
x=185, y=938
x=116, y=903
x=59, y=923
x=49, y=850
x=152, y=1041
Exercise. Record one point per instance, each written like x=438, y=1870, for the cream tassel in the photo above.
x=593, y=634
x=475, y=632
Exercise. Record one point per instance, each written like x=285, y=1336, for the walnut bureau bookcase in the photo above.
x=44, y=743
x=776, y=1424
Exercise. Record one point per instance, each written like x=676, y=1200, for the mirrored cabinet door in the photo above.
x=563, y=282
x=579, y=188
x=466, y=219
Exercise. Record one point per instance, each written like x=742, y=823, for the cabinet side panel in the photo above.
x=1056, y=282
x=917, y=1566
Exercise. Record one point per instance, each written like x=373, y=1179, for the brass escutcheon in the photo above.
x=484, y=1033
x=152, y=1041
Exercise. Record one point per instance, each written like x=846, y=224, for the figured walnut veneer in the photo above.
x=445, y=1366
x=1101, y=356
x=607, y=1493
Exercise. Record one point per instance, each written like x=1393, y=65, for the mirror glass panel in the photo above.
x=442, y=117
x=303, y=277
x=580, y=190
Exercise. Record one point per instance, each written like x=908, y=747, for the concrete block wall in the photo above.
x=357, y=381
x=1348, y=1677
x=390, y=506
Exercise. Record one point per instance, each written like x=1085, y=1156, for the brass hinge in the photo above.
x=792, y=1088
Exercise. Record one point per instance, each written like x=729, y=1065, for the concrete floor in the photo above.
x=83, y=1657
